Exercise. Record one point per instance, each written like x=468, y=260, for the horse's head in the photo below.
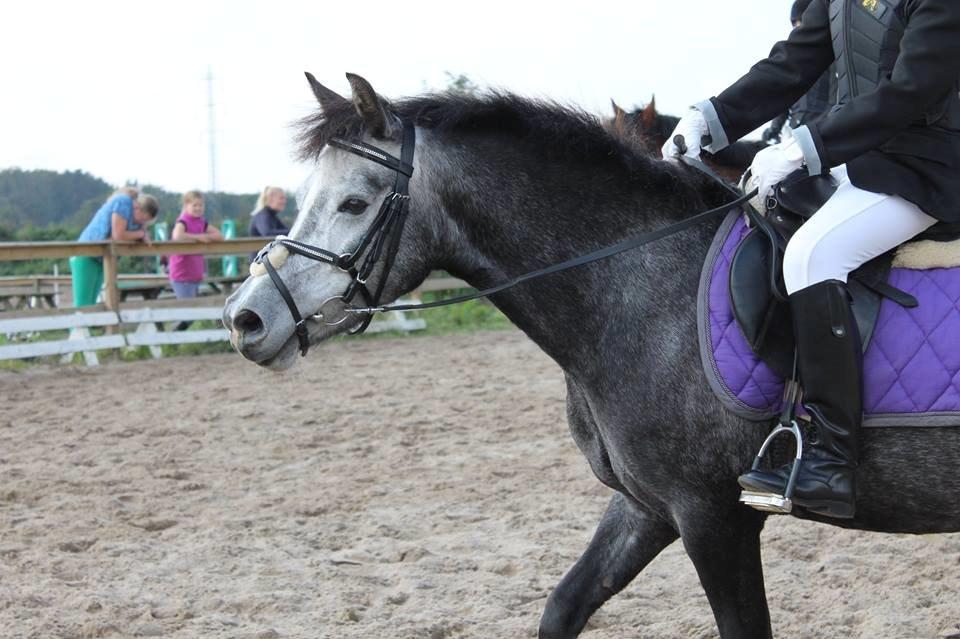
x=340, y=203
x=644, y=125
x=649, y=129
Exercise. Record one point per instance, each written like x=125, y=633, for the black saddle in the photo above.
x=757, y=294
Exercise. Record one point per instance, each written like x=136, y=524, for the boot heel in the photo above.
x=833, y=509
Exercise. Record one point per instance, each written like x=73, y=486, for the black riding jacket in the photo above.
x=897, y=122
x=816, y=102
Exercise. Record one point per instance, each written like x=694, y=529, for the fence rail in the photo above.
x=111, y=251
x=116, y=316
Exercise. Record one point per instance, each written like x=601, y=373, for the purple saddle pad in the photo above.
x=911, y=366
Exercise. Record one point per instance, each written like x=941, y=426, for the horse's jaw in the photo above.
x=285, y=357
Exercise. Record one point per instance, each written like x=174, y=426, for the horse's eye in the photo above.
x=353, y=206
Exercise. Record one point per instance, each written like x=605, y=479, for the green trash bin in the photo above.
x=161, y=233
x=230, y=263
x=87, y=277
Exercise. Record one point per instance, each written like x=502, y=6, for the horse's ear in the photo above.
x=619, y=117
x=327, y=98
x=380, y=122
x=649, y=115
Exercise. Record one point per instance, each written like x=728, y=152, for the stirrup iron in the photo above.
x=771, y=502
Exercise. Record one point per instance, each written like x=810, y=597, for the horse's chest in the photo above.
x=613, y=460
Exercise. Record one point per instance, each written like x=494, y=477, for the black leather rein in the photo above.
x=384, y=235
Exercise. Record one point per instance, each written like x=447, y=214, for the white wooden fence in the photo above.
x=148, y=323
x=131, y=328
x=131, y=324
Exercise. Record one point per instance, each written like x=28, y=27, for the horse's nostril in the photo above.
x=247, y=322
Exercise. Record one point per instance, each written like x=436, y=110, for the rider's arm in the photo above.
x=214, y=233
x=925, y=73
x=119, y=229
x=773, y=84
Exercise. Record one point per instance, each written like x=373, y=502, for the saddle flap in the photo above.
x=763, y=320
x=766, y=322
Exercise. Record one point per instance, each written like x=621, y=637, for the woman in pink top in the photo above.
x=187, y=271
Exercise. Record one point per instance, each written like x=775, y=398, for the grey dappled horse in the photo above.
x=504, y=185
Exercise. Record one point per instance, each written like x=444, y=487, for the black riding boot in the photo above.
x=830, y=363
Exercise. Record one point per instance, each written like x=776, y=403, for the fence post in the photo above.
x=111, y=292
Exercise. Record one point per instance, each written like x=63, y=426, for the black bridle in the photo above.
x=382, y=238
x=384, y=234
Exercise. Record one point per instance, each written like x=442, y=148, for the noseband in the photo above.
x=382, y=238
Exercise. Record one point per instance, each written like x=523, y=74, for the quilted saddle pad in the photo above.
x=911, y=366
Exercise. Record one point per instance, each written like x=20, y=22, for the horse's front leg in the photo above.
x=724, y=544
x=626, y=540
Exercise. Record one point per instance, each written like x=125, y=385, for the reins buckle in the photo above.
x=303, y=336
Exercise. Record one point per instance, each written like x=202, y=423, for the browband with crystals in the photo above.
x=373, y=153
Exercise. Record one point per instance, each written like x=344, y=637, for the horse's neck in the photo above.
x=513, y=222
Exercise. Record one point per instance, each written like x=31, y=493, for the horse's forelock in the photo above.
x=315, y=131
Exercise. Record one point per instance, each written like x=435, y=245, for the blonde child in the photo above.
x=187, y=271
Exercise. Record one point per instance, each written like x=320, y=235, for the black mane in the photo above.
x=556, y=130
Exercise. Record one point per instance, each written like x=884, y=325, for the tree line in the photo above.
x=43, y=205
x=47, y=206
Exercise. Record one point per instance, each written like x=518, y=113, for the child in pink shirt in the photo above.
x=187, y=271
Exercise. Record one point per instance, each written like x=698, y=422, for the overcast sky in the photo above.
x=119, y=89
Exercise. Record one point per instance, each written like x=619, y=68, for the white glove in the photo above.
x=692, y=127
x=772, y=164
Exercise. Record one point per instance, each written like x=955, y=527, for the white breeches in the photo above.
x=852, y=228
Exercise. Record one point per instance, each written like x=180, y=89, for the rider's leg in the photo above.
x=853, y=227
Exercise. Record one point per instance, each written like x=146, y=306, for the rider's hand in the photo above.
x=772, y=164
x=692, y=127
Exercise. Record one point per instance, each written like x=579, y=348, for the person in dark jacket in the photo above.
x=893, y=142
x=814, y=103
x=265, y=220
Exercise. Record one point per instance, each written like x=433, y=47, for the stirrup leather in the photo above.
x=771, y=502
